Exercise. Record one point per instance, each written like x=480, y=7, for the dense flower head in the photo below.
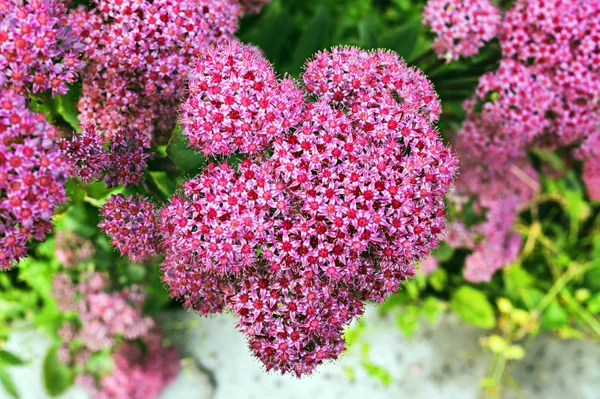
x=139, y=372
x=126, y=157
x=139, y=52
x=38, y=51
x=349, y=199
x=236, y=103
x=294, y=319
x=86, y=154
x=71, y=249
x=462, y=27
x=33, y=172
x=131, y=222
x=223, y=218
x=559, y=39
x=354, y=78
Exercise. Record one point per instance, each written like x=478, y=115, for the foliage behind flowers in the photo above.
x=291, y=200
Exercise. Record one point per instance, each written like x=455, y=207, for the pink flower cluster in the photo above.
x=103, y=317
x=38, y=51
x=138, y=373
x=32, y=177
x=350, y=197
x=462, y=27
x=132, y=224
x=71, y=250
x=139, y=52
x=118, y=158
x=543, y=95
x=112, y=321
x=236, y=103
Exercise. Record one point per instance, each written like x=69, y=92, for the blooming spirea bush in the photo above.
x=350, y=197
x=544, y=95
x=462, y=27
x=38, y=51
x=131, y=222
x=138, y=53
x=33, y=172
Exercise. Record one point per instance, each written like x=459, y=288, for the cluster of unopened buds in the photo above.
x=334, y=201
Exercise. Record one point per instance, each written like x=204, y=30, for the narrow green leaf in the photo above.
x=7, y=382
x=10, y=359
x=473, y=307
x=377, y=372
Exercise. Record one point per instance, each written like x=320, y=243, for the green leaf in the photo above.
x=366, y=33
x=66, y=106
x=438, y=279
x=271, y=33
x=187, y=159
x=516, y=281
x=554, y=316
x=432, y=308
x=313, y=38
x=56, y=375
x=377, y=372
x=593, y=304
x=401, y=39
x=10, y=359
x=473, y=307
x=407, y=320
x=444, y=252
x=7, y=382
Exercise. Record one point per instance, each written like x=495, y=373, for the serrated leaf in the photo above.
x=56, y=375
x=187, y=159
x=473, y=307
x=10, y=359
x=7, y=382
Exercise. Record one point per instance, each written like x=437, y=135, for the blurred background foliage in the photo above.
x=554, y=285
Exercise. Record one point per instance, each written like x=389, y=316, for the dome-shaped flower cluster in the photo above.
x=38, y=52
x=346, y=197
x=139, y=52
x=33, y=172
x=236, y=103
x=462, y=27
x=131, y=222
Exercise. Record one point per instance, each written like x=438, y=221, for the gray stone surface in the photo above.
x=442, y=361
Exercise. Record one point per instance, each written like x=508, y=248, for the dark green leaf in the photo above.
x=9, y=359
x=187, y=159
x=313, y=39
x=367, y=35
x=401, y=39
x=56, y=375
x=473, y=307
